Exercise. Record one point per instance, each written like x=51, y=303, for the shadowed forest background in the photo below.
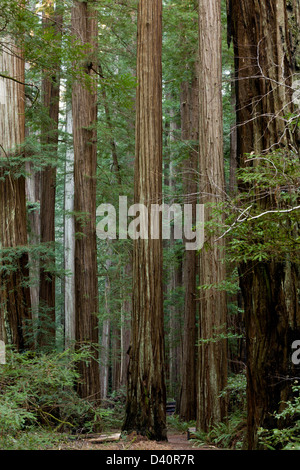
x=162, y=102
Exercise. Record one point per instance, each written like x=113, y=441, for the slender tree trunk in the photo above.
x=14, y=293
x=212, y=322
x=264, y=65
x=174, y=276
x=146, y=398
x=106, y=336
x=190, y=134
x=32, y=183
x=115, y=358
x=126, y=310
x=69, y=238
x=233, y=147
x=84, y=108
x=175, y=329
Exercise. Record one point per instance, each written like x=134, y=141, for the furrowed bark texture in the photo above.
x=264, y=47
x=190, y=133
x=84, y=108
x=212, y=365
x=50, y=95
x=146, y=400
x=14, y=294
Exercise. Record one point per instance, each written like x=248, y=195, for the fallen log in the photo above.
x=105, y=438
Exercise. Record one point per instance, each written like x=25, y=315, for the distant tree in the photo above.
x=190, y=134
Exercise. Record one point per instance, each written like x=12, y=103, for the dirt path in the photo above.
x=134, y=442
x=180, y=442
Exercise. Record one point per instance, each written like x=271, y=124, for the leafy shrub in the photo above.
x=235, y=392
x=174, y=422
x=39, y=390
x=287, y=435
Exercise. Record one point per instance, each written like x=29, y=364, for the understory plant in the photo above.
x=38, y=393
x=287, y=435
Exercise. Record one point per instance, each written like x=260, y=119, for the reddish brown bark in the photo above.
x=84, y=108
x=14, y=293
x=264, y=64
x=50, y=94
x=190, y=133
x=213, y=309
x=146, y=398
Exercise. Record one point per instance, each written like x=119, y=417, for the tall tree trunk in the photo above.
x=14, y=293
x=174, y=275
x=84, y=108
x=190, y=134
x=50, y=91
x=126, y=310
x=264, y=65
x=106, y=340
x=32, y=184
x=146, y=398
x=69, y=238
x=212, y=321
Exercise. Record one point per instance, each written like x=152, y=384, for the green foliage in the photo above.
x=287, y=435
x=38, y=391
x=112, y=410
x=235, y=392
x=175, y=423
x=229, y=434
x=261, y=223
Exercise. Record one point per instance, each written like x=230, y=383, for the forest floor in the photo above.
x=134, y=442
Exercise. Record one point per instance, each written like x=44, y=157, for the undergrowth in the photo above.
x=39, y=402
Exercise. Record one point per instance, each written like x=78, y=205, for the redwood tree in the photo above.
x=190, y=134
x=212, y=317
x=14, y=291
x=84, y=109
x=52, y=22
x=264, y=65
x=146, y=397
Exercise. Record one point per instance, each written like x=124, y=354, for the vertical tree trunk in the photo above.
x=174, y=276
x=32, y=184
x=105, y=342
x=126, y=310
x=212, y=322
x=264, y=65
x=146, y=398
x=14, y=293
x=50, y=93
x=84, y=108
x=69, y=237
x=190, y=134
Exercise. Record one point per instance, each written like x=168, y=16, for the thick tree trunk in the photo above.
x=14, y=293
x=264, y=65
x=212, y=321
x=84, y=108
x=190, y=133
x=146, y=398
